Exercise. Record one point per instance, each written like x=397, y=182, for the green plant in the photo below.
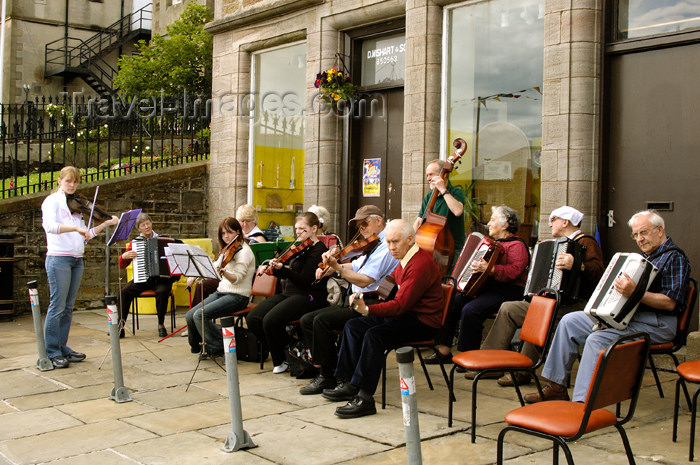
x=334, y=85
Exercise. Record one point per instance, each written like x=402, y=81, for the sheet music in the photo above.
x=172, y=264
x=192, y=261
x=123, y=228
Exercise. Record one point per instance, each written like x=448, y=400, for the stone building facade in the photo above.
x=569, y=152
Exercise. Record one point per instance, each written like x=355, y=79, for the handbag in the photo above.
x=247, y=346
x=337, y=288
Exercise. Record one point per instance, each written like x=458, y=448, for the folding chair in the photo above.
x=537, y=329
x=150, y=294
x=448, y=293
x=688, y=372
x=670, y=348
x=616, y=378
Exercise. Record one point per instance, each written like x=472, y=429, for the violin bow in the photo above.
x=92, y=210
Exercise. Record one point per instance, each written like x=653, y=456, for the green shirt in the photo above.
x=454, y=223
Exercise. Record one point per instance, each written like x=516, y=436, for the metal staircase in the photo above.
x=70, y=57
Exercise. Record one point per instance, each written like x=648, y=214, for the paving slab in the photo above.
x=64, y=396
x=20, y=424
x=175, y=396
x=71, y=441
x=97, y=410
x=286, y=440
x=27, y=381
x=188, y=418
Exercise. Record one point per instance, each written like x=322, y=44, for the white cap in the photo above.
x=567, y=213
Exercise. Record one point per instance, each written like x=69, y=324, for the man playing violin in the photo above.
x=236, y=267
x=364, y=275
x=450, y=203
x=161, y=286
x=414, y=314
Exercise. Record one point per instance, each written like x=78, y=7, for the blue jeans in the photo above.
x=216, y=305
x=64, y=275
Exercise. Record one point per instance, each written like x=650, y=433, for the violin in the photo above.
x=291, y=251
x=78, y=203
x=229, y=252
x=354, y=249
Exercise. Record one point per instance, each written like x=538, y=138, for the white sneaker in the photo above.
x=280, y=368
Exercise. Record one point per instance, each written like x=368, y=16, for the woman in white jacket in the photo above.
x=66, y=235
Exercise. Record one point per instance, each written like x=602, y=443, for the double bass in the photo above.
x=433, y=236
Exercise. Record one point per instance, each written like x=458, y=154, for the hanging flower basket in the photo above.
x=334, y=85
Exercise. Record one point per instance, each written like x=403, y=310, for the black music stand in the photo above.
x=192, y=262
x=121, y=233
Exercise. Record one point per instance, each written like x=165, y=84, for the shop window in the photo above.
x=277, y=135
x=640, y=19
x=493, y=79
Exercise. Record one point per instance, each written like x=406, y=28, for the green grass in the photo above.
x=36, y=180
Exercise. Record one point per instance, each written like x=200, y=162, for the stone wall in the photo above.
x=175, y=198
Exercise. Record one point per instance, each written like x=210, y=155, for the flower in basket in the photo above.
x=334, y=85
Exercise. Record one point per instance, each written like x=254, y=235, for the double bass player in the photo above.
x=449, y=203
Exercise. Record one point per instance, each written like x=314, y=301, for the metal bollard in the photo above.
x=43, y=363
x=238, y=438
x=119, y=392
x=404, y=357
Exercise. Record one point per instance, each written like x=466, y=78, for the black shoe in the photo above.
x=122, y=334
x=60, y=361
x=356, y=408
x=342, y=392
x=435, y=360
x=74, y=357
x=162, y=332
x=318, y=385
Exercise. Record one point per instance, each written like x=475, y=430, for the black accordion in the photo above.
x=150, y=261
x=544, y=274
x=609, y=308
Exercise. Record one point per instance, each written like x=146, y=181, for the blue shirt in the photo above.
x=379, y=264
x=672, y=278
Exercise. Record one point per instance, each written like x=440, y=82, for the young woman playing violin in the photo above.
x=236, y=266
x=66, y=235
x=268, y=320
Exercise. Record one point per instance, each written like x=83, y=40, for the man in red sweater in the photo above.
x=414, y=314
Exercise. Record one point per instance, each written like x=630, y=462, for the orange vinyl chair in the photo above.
x=670, y=348
x=150, y=294
x=264, y=285
x=448, y=293
x=688, y=372
x=537, y=329
x=616, y=378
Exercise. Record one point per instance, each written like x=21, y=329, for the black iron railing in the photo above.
x=103, y=138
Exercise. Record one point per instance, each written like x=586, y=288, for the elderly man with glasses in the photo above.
x=656, y=314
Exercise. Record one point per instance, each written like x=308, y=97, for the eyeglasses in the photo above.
x=643, y=232
x=365, y=223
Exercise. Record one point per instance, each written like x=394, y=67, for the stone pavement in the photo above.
x=65, y=417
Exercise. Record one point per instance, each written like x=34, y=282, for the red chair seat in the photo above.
x=662, y=346
x=148, y=293
x=559, y=417
x=690, y=371
x=484, y=359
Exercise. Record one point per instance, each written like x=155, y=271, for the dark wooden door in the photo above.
x=377, y=141
x=652, y=144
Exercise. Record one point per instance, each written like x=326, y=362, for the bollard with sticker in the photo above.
x=409, y=405
x=43, y=363
x=238, y=438
x=119, y=393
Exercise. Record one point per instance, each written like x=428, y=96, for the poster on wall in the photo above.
x=371, y=171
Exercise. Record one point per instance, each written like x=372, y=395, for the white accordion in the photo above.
x=609, y=308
